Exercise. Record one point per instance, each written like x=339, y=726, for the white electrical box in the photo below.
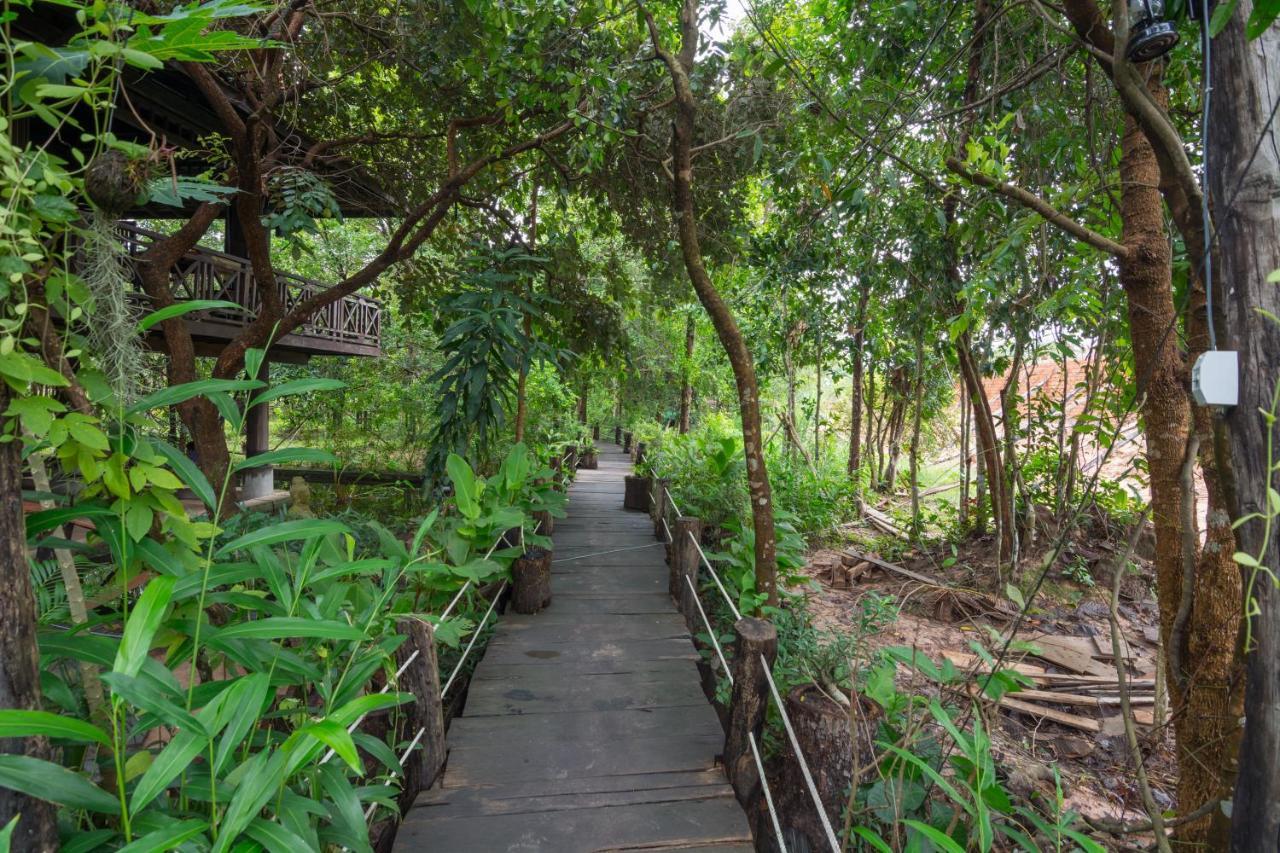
x=1215, y=379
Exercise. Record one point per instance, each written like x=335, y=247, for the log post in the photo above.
x=640, y=447
x=544, y=522
x=684, y=557
x=422, y=679
x=595, y=432
x=659, y=504
x=636, y=494
x=531, y=580
x=750, y=702
x=617, y=435
x=626, y=442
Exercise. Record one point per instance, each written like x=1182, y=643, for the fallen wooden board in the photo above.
x=1061, y=698
x=1038, y=674
x=1067, y=654
x=875, y=561
x=1075, y=721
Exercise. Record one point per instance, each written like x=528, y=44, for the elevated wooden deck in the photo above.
x=351, y=326
x=585, y=728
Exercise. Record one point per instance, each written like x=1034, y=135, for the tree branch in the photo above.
x=1050, y=213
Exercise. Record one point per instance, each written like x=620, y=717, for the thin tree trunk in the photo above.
x=686, y=387
x=915, y=436
x=855, y=398
x=964, y=455
x=817, y=400
x=19, y=655
x=1244, y=175
x=522, y=402
x=744, y=374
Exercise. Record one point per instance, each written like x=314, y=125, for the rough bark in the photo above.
x=686, y=386
x=679, y=67
x=755, y=646
x=1244, y=183
x=19, y=656
x=855, y=394
x=531, y=580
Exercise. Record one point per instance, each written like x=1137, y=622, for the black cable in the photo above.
x=1206, y=87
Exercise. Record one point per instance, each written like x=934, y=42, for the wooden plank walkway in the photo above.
x=586, y=728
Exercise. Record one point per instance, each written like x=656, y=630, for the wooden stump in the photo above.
x=756, y=646
x=544, y=523
x=636, y=495
x=531, y=580
x=639, y=455
x=822, y=728
x=422, y=679
x=595, y=432
x=617, y=435
x=658, y=508
x=685, y=565
x=590, y=459
x=626, y=442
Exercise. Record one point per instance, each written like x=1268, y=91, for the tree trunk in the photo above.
x=686, y=387
x=914, y=452
x=744, y=374
x=855, y=395
x=964, y=455
x=19, y=656
x=817, y=397
x=522, y=384
x=988, y=448
x=1244, y=170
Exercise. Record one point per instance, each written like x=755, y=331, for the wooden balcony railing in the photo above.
x=349, y=326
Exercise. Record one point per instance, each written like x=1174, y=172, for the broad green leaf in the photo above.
x=143, y=622
x=146, y=696
x=180, y=308
x=45, y=780
x=286, y=456
x=20, y=724
x=189, y=473
x=298, y=386
x=275, y=838
x=337, y=738
x=284, y=627
x=939, y=838
x=464, y=485
x=285, y=531
x=47, y=519
x=263, y=776
x=166, y=838
x=241, y=710
x=176, y=394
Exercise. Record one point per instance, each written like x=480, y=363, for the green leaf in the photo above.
x=176, y=394
x=241, y=711
x=263, y=775
x=146, y=696
x=45, y=780
x=464, y=485
x=21, y=724
x=939, y=838
x=283, y=627
x=285, y=531
x=180, y=308
x=286, y=455
x=47, y=519
x=166, y=838
x=143, y=622
x=298, y=386
x=189, y=473
x=274, y=838
x=337, y=738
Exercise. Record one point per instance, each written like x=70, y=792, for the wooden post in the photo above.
x=531, y=580
x=422, y=679
x=636, y=493
x=750, y=702
x=258, y=482
x=684, y=558
x=640, y=447
x=595, y=432
x=544, y=522
x=617, y=435
x=626, y=442
x=659, y=505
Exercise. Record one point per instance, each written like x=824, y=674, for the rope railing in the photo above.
x=777, y=699
x=475, y=635
x=755, y=750
x=671, y=502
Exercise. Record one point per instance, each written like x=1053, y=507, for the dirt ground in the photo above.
x=1095, y=767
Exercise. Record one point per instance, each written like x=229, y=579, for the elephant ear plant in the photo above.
x=233, y=679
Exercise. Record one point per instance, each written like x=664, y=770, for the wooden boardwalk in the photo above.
x=586, y=728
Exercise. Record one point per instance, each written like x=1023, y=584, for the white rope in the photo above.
x=672, y=501
x=368, y=813
x=804, y=767
x=768, y=795
x=755, y=751
x=711, y=631
x=715, y=577
x=474, y=636
x=456, y=599
x=601, y=553
x=396, y=678
x=670, y=539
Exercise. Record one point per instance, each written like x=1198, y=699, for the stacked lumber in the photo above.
x=1088, y=684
